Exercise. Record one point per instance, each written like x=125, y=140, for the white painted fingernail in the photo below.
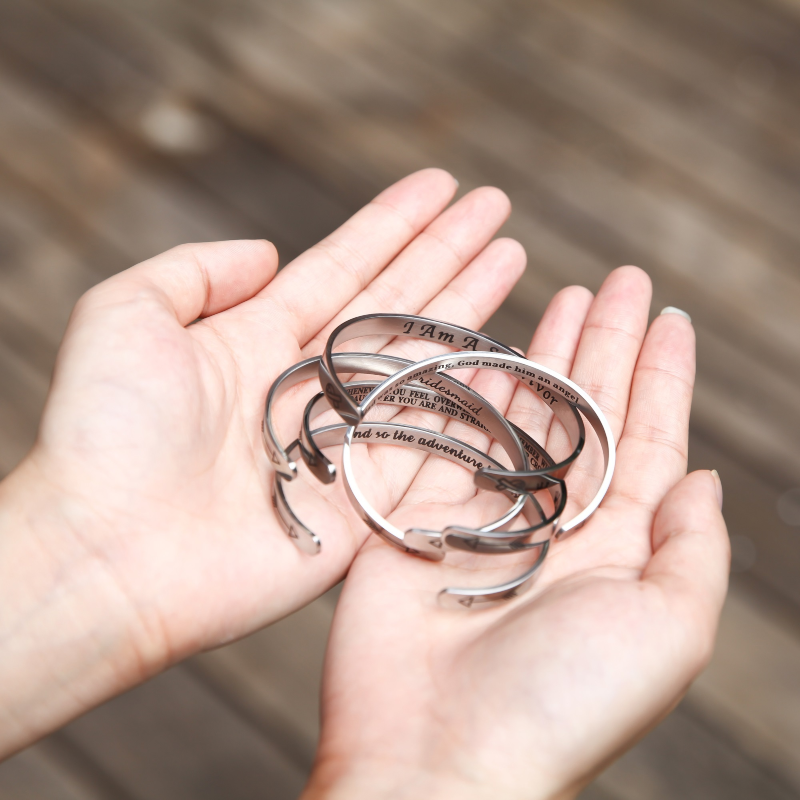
x=673, y=310
x=718, y=484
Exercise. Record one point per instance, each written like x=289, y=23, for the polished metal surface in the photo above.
x=423, y=398
x=423, y=385
x=390, y=325
x=419, y=438
x=431, y=545
x=459, y=537
x=466, y=597
x=560, y=393
x=472, y=405
x=405, y=436
x=451, y=398
x=484, y=539
x=303, y=537
x=367, y=363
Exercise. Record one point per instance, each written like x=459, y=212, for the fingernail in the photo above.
x=673, y=310
x=718, y=483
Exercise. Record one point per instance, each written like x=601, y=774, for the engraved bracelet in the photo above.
x=406, y=436
x=411, y=437
x=554, y=389
x=453, y=336
x=559, y=392
x=286, y=468
x=380, y=364
x=421, y=541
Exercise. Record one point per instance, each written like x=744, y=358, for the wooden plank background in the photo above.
x=661, y=134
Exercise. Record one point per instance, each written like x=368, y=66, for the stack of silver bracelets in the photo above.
x=424, y=385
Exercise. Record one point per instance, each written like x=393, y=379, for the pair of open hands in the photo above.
x=142, y=522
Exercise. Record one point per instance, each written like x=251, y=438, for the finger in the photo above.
x=307, y=294
x=691, y=558
x=470, y=298
x=554, y=345
x=603, y=366
x=653, y=449
x=429, y=262
x=195, y=280
x=611, y=340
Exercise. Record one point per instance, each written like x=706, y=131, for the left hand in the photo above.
x=531, y=698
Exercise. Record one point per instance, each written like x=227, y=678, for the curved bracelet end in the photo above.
x=305, y=540
x=498, y=480
x=428, y=544
x=457, y=538
x=287, y=471
x=321, y=468
x=341, y=401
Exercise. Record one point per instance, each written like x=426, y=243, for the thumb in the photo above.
x=691, y=556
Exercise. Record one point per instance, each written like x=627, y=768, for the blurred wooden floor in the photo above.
x=664, y=134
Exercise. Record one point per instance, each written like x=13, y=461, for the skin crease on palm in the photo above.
x=139, y=529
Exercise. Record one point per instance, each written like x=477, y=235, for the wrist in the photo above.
x=70, y=636
x=387, y=780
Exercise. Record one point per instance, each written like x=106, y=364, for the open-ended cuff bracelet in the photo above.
x=452, y=596
x=432, y=543
x=531, y=468
x=408, y=436
x=425, y=399
x=467, y=596
x=450, y=397
x=454, y=336
x=380, y=364
x=558, y=392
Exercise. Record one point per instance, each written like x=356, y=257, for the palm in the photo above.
x=153, y=424
x=539, y=692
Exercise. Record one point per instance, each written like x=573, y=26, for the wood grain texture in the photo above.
x=171, y=738
x=662, y=134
